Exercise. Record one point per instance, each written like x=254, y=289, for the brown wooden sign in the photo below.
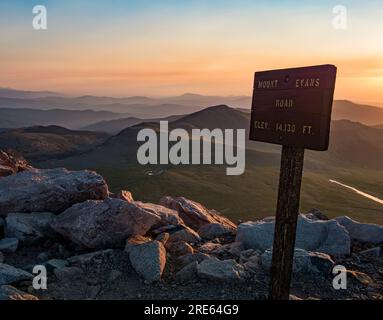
x=292, y=107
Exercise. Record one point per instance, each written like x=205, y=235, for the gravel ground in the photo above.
x=116, y=279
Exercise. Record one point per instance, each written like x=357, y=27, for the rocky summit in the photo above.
x=96, y=245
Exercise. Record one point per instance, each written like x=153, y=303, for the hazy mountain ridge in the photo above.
x=13, y=93
x=72, y=119
x=118, y=104
x=343, y=110
x=25, y=108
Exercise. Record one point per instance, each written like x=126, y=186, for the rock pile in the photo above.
x=74, y=227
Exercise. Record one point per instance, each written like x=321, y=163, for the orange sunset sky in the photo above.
x=160, y=48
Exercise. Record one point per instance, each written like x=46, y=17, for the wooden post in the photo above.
x=286, y=222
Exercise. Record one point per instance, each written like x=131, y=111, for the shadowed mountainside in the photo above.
x=115, y=126
x=369, y=115
x=41, y=143
x=25, y=108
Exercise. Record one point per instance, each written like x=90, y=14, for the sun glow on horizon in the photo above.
x=212, y=48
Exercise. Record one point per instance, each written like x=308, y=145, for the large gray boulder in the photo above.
x=312, y=235
x=194, y=214
x=363, y=232
x=304, y=262
x=52, y=190
x=69, y=275
x=103, y=224
x=168, y=216
x=179, y=248
x=29, y=228
x=54, y=264
x=9, y=274
x=188, y=273
x=149, y=260
x=221, y=270
x=185, y=234
x=9, y=245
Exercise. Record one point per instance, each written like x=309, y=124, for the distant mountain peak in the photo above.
x=218, y=108
x=191, y=95
x=139, y=97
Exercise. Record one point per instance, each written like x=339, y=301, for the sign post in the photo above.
x=291, y=107
x=286, y=221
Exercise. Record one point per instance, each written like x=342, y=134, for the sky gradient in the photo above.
x=160, y=48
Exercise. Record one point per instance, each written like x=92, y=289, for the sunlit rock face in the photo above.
x=52, y=190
